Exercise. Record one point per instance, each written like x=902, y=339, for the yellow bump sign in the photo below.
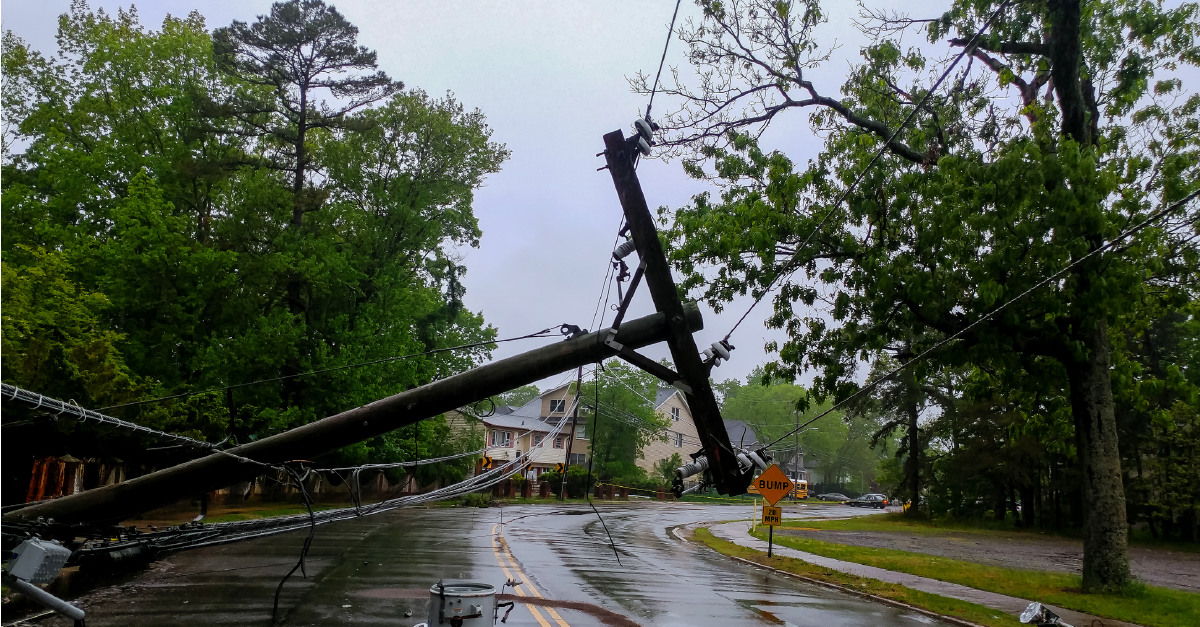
x=772, y=516
x=773, y=484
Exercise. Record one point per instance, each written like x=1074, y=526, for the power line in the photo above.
x=56, y=408
x=862, y=173
x=663, y=60
x=1113, y=242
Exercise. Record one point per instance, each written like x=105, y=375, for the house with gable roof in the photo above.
x=535, y=426
x=543, y=425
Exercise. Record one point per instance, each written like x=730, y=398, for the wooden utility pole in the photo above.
x=619, y=154
x=118, y=502
x=562, y=489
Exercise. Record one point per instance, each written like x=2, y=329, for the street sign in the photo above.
x=773, y=484
x=772, y=516
x=560, y=468
x=485, y=463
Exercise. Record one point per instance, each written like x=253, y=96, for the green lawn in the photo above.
x=899, y=522
x=932, y=602
x=1144, y=605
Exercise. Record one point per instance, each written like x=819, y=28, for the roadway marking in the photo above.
x=513, y=561
x=497, y=544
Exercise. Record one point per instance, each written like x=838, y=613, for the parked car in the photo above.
x=833, y=496
x=878, y=501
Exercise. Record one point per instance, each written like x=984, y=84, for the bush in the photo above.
x=577, y=483
x=477, y=500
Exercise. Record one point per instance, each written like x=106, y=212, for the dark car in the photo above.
x=832, y=496
x=878, y=501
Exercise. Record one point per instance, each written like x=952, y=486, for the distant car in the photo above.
x=877, y=501
x=832, y=496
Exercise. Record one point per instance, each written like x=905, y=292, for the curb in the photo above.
x=886, y=601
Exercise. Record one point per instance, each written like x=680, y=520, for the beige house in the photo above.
x=511, y=431
x=543, y=425
x=680, y=436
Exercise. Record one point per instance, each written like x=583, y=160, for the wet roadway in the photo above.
x=372, y=570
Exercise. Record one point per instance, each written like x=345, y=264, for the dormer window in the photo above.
x=558, y=406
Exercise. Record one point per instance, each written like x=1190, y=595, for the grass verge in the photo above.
x=1144, y=605
x=984, y=527
x=934, y=603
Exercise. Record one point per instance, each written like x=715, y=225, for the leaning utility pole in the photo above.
x=692, y=378
x=112, y=504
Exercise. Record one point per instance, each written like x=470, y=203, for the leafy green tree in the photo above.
x=625, y=420
x=664, y=469
x=164, y=225
x=519, y=396
x=300, y=47
x=1030, y=158
x=55, y=339
x=840, y=445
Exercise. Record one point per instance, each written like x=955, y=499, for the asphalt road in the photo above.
x=373, y=570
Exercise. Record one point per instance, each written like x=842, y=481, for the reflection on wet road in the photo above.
x=375, y=570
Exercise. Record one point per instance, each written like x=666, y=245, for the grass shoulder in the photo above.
x=988, y=527
x=934, y=603
x=1144, y=605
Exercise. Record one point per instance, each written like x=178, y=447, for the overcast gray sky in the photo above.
x=551, y=78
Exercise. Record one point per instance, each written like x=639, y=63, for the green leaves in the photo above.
x=150, y=204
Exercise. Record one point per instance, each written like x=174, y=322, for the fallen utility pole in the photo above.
x=118, y=502
x=729, y=478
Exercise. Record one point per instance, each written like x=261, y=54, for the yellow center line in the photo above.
x=500, y=560
x=513, y=561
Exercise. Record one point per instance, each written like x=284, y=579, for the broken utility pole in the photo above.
x=729, y=478
x=114, y=503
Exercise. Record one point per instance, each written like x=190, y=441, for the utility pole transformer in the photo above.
x=114, y=503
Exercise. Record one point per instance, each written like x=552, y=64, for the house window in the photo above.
x=580, y=433
x=537, y=439
x=502, y=439
x=675, y=414
x=560, y=441
x=558, y=406
x=678, y=438
x=577, y=459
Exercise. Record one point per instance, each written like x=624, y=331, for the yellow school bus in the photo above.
x=800, y=491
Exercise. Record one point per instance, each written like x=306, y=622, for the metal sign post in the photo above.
x=773, y=485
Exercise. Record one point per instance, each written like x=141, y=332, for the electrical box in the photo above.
x=37, y=561
x=462, y=604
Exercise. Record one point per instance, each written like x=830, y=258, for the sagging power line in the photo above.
x=1130, y=232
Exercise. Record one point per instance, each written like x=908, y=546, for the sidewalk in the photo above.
x=737, y=533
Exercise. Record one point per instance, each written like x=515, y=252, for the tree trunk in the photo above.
x=912, y=465
x=1105, y=531
x=1027, y=501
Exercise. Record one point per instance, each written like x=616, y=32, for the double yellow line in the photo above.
x=503, y=557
